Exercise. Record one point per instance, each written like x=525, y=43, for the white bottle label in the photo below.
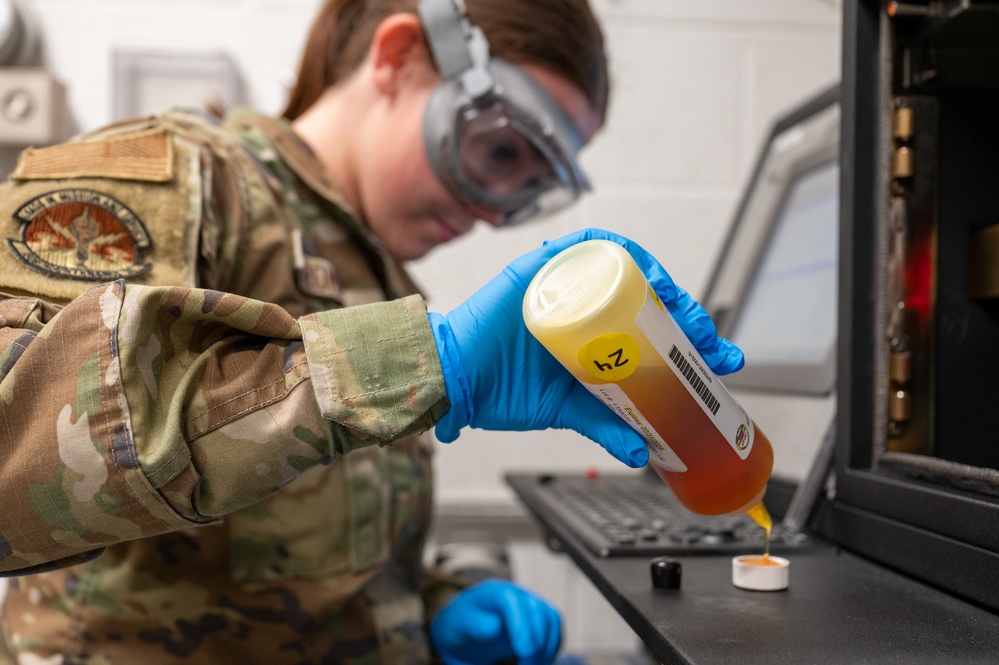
x=611, y=395
x=680, y=355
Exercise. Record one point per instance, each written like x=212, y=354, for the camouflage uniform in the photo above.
x=178, y=376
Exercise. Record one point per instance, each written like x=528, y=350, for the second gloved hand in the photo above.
x=499, y=377
x=495, y=621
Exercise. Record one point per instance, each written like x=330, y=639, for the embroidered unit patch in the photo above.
x=81, y=234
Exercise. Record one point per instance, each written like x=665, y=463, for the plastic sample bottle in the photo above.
x=593, y=309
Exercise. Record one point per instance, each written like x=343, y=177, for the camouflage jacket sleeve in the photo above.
x=138, y=410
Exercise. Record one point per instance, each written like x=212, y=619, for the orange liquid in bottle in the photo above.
x=592, y=308
x=716, y=481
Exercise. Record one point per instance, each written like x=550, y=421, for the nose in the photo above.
x=496, y=219
x=491, y=217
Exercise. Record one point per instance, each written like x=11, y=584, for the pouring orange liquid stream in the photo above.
x=762, y=517
x=592, y=308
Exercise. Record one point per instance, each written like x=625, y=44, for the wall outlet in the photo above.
x=33, y=109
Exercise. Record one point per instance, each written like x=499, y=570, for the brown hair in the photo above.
x=562, y=35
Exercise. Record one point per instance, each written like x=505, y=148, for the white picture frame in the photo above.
x=150, y=82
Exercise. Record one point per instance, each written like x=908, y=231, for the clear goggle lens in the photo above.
x=498, y=158
x=511, y=150
x=503, y=165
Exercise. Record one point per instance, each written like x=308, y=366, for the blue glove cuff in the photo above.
x=455, y=382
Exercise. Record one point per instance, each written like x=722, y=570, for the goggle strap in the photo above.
x=459, y=48
x=478, y=80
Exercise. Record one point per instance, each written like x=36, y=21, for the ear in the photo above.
x=399, y=52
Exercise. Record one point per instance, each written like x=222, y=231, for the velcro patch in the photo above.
x=145, y=156
x=81, y=234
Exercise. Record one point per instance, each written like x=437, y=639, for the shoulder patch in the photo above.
x=144, y=156
x=80, y=234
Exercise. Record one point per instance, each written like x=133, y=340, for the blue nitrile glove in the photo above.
x=493, y=621
x=499, y=377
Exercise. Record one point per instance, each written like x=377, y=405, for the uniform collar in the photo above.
x=298, y=157
x=295, y=153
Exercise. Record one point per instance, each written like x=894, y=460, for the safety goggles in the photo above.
x=494, y=137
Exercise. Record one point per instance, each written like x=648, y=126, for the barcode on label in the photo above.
x=694, y=380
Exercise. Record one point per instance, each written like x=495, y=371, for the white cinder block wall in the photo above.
x=696, y=85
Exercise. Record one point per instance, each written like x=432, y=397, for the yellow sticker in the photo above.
x=612, y=357
x=655, y=297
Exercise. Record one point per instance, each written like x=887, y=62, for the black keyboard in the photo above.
x=629, y=515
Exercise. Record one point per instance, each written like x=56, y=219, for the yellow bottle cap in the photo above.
x=576, y=284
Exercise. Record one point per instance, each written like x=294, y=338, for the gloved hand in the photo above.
x=499, y=377
x=493, y=621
